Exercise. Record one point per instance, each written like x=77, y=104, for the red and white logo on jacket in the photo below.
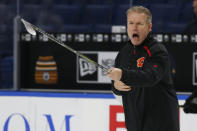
x=140, y=61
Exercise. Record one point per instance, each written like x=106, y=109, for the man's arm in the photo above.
x=118, y=87
x=150, y=74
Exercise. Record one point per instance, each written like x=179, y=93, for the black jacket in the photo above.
x=152, y=104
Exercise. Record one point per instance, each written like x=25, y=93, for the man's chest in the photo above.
x=133, y=59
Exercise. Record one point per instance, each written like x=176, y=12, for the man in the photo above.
x=142, y=76
x=192, y=27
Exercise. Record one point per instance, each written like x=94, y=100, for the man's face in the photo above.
x=195, y=7
x=137, y=27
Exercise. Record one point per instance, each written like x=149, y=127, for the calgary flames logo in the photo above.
x=140, y=62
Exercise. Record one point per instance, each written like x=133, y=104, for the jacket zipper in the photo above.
x=134, y=52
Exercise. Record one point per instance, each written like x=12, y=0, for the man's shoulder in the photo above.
x=158, y=47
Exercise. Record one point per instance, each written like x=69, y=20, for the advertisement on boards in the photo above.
x=70, y=112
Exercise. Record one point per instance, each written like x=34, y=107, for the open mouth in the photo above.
x=135, y=35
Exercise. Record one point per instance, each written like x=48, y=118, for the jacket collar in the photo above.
x=147, y=42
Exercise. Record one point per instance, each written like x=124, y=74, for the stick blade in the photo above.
x=28, y=27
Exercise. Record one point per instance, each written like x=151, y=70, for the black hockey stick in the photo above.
x=32, y=30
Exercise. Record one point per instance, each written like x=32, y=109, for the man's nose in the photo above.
x=135, y=26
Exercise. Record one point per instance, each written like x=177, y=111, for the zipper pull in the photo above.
x=134, y=52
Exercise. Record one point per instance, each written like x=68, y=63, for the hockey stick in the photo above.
x=32, y=30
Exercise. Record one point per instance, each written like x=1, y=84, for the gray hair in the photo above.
x=141, y=9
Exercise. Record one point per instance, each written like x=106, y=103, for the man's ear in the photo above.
x=150, y=26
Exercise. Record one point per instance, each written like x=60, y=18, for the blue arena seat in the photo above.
x=41, y=15
x=149, y=1
x=174, y=1
x=119, y=14
x=118, y=2
x=3, y=1
x=83, y=2
x=51, y=28
x=32, y=1
x=173, y=13
x=175, y=27
x=6, y=37
x=97, y=14
x=54, y=2
x=7, y=13
x=155, y=1
x=30, y=12
x=165, y=12
x=158, y=27
x=71, y=14
x=187, y=14
x=6, y=67
x=102, y=28
x=6, y=43
x=139, y=2
x=3, y=29
x=70, y=28
x=78, y=2
x=48, y=18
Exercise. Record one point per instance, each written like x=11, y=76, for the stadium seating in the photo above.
x=6, y=69
x=9, y=11
x=96, y=14
x=30, y=12
x=3, y=29
x=174, y=27
x=102, y=28
x=71, y=14
x=119, y=14
x=186, y=13
x=165, y=12
x=77, y=28
x=158, y=27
